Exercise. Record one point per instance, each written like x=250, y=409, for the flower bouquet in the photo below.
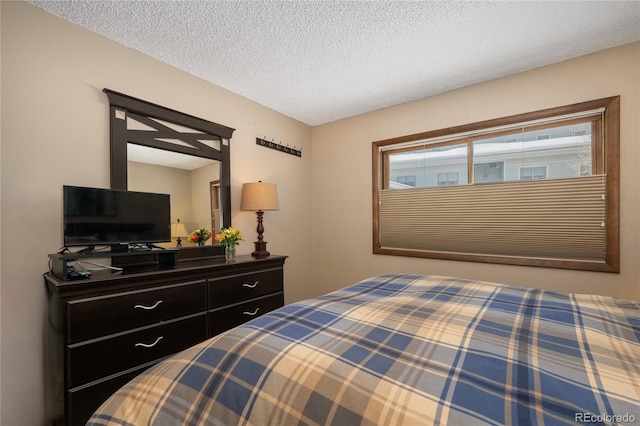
x=199, y=236
x=229, y=238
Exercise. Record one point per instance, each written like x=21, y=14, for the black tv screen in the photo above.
x=94, y=216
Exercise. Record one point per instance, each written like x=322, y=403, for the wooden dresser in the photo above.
x=117, y=325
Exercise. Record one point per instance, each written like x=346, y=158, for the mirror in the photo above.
x=156, y=149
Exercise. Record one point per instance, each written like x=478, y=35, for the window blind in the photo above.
x=555, y=218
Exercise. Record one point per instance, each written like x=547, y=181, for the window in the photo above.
x=536, y=189
x=407, y=180
x=427, y=164
x=533, y=173
x=448, y=179
x=488, y=172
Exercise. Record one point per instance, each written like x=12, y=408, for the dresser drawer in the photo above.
x=226, y=318
x=102, y=357
x=85, y=400
x=224, y=291
x=98, y=316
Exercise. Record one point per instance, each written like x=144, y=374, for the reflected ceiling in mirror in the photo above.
x=160, y=157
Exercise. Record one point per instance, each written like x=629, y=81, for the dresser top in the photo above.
x=105, y=281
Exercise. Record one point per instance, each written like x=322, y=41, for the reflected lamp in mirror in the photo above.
x=179, y=231
x=259, y=197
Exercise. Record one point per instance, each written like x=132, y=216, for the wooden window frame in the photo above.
x=608, y=163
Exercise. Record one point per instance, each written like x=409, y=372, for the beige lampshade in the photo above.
x=259, y=196
x=179, y=230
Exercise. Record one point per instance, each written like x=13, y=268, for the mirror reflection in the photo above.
x=193, y=183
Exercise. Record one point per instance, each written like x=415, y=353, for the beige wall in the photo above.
x=55, y=132
x=189, y=190
x=342, y=172
x=165, y=180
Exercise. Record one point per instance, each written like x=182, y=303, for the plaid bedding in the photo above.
x=405, y=350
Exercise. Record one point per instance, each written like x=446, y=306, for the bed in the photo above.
x=404, y=350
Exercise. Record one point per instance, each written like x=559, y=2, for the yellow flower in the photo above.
x=228, y=236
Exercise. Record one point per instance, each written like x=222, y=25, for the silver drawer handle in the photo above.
x=148, y=308
x=144, y=345
x=251, y=285
x=251, y=313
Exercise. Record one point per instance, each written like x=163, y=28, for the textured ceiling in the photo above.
x=321, y=61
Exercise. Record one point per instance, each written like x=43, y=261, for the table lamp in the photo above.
x=178, y=230
x=259, y=197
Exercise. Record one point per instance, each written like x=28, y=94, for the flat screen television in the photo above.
x=95, y=216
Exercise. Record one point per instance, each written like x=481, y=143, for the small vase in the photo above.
x=200, y=243
x=230, y=253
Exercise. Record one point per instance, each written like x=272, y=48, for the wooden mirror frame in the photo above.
x=122, y=106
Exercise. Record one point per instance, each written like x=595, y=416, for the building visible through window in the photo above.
x=557, y=152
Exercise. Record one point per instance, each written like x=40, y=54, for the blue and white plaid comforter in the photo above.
x=405, y=350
